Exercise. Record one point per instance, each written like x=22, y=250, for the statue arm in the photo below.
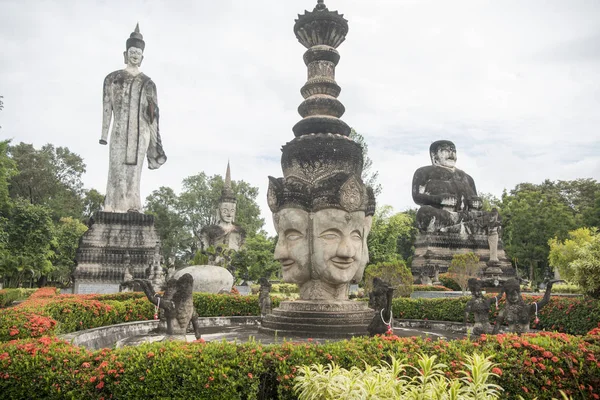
x=196, y=325
x=467, y=311
x=499, y=322
x=106, y=110
x=475, y=201
x=419, y=182
x=547, y=294
x=146, y=286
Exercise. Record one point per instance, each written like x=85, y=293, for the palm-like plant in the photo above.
x=389, y=381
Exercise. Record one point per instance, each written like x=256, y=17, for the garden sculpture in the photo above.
x=225, y=235
x=380, y=300
x=264, y=297
x=177, y=305
x=480, y=307
x=130, y=101
x=517, y=314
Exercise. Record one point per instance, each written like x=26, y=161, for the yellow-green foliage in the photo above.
x=462, y=267
x=390, y=381
x=395, y=273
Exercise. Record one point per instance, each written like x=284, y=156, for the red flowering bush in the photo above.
x=533, y=365
x=16, y=323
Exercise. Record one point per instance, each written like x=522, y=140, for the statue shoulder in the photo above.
x=112, y=76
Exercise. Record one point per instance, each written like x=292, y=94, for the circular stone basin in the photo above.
x=230, y=329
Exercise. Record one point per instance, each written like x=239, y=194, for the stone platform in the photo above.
x=114, y=243
x=326, y=319
x=435, y=251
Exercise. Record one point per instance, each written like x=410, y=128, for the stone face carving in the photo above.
x=321, y=208
x=130, y=101
x=451, y=220
x=225, y=232
x=480, y=307
x=517, y=314
x=380, y=300
x=177, y=305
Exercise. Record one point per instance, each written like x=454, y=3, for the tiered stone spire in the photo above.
x=227, y=194
x=321, y=32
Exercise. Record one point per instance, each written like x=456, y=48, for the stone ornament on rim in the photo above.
x=351, y=195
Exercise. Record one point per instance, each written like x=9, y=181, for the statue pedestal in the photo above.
x=115, y=243
x=319, y=319
x=434, y=251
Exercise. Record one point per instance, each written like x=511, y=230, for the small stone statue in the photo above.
x=130, y=101
x=264, y=297
x=225, y=235
x=380, y=300
x=177, y=305
x=480, y=307
x=517, y=314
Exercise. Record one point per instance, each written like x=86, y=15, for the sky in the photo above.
x=515, y=84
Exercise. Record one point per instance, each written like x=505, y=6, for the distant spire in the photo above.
x=227, y=192
x=228, y=176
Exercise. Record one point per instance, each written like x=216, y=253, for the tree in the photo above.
x=179, y=219
x=93, y=201
x=67, y=233
x=255, y=260
x=199, y=201
x=369, y=177
x=531, y=215
x=177, y=244
x=50, y=177
x=463, y=267
x=395, y=273
x=577, y=259
x=389, y=234
x=8, y=169
x=29, y=235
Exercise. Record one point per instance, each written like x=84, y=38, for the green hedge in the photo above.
x=218, y=305
x=7, y=296
x=534, y=365
x=430, y=288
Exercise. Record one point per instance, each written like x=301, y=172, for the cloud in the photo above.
x=514, y=84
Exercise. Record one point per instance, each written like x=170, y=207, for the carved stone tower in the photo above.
x=322, y=209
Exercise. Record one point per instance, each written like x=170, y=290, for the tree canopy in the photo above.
x=392, y=236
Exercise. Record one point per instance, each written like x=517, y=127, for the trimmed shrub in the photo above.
x=217, y=305
x=430, y=288
x=16, y=323
x=7, y=296
x=449, y=282
x=533, y=365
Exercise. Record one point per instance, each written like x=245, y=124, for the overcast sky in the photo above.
x=515, y=84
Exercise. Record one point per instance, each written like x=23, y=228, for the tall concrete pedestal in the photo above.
x=117, y=247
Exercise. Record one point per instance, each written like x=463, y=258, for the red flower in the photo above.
x=100, y=385
x=497, y=371
x=249, y=375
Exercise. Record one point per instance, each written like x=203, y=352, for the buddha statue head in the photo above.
x=134, y=48
x=322, y=213
x=443, y=153
x=227, y=202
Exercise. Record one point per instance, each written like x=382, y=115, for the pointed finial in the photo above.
x=320, y=6
x=137, y=27
x=228, y=176
x=227, y=192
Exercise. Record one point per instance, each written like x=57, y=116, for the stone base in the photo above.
x=434, y=251
x=114, y=243
x=319, y=319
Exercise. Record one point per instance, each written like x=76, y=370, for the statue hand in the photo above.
x=102, y=141
x=475, y=203
x=448, y=200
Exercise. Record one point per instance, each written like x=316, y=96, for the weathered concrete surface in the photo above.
x=208, y=278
